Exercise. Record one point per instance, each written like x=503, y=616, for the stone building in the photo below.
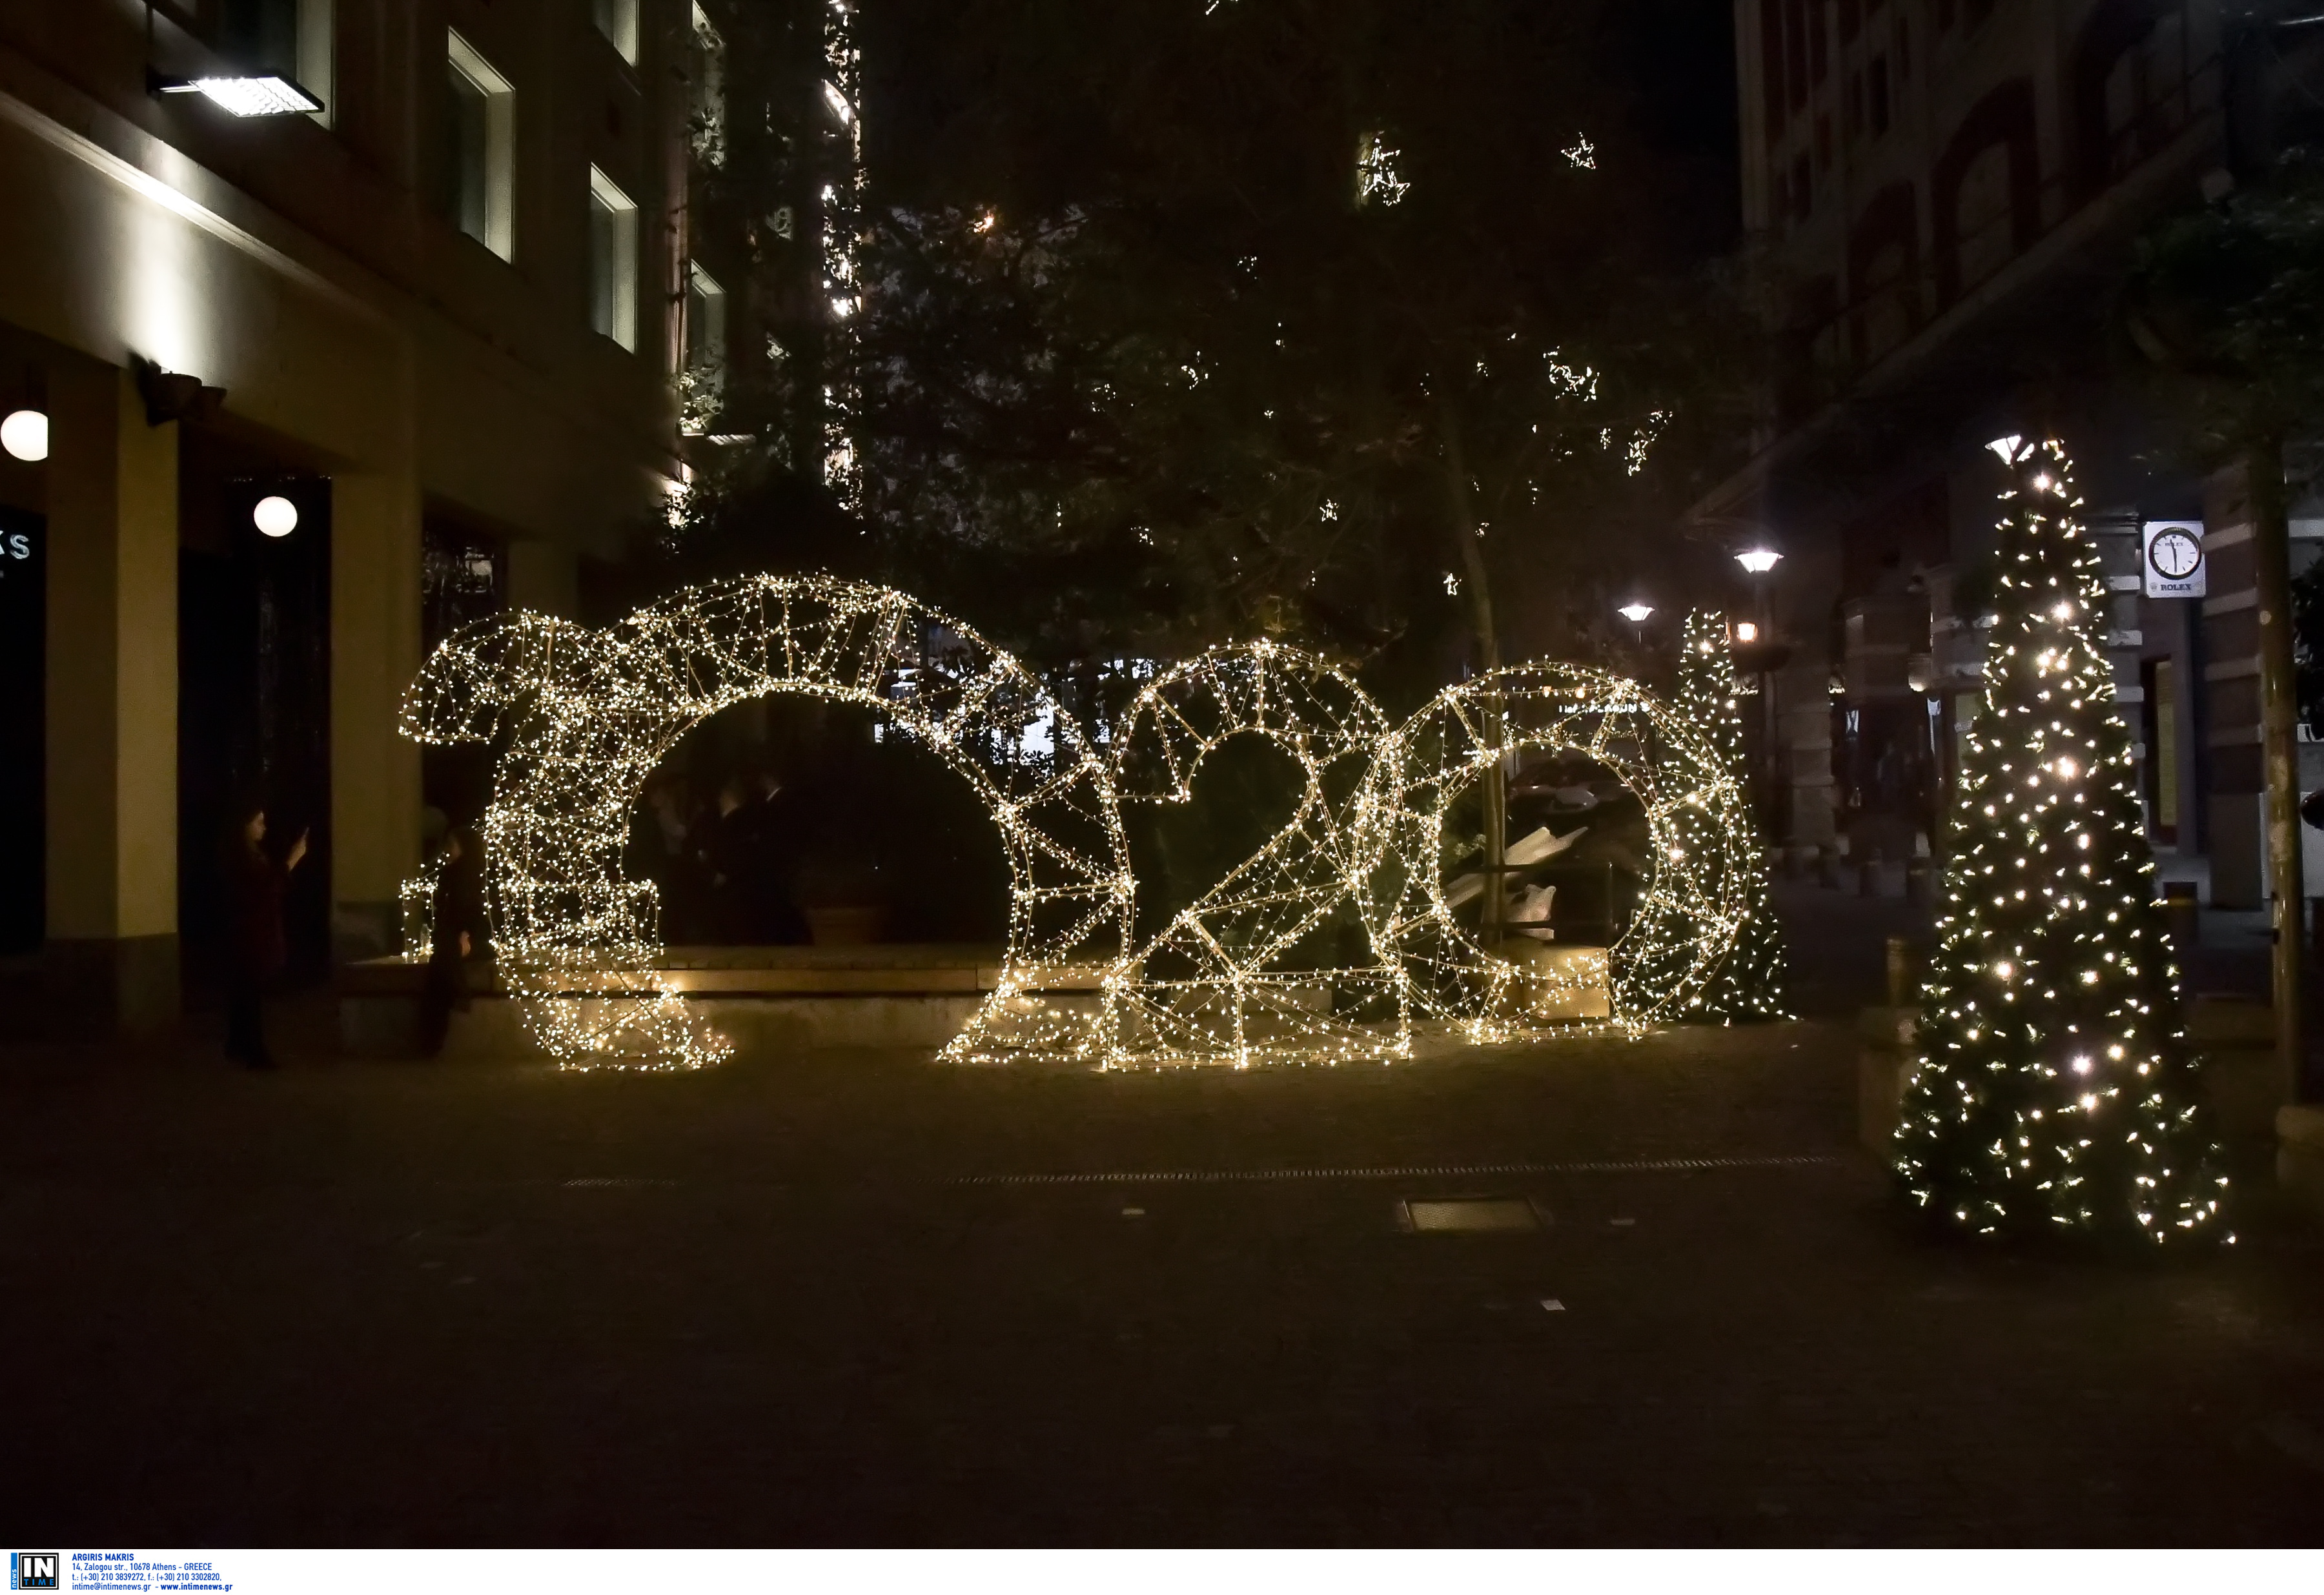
x=1943, y=196
x=436, y=304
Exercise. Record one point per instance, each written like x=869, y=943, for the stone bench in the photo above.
x=763, y=998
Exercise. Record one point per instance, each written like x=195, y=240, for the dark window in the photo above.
x=1944, y=14
x=1879, y=95
x=1823, y=143
x=1819, y=44
x=260, y=34
x=1855, y=129
x=1802, y=192
x=1851, y=19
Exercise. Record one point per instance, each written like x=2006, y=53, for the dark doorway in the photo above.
x=23, y=753
x=254, y=706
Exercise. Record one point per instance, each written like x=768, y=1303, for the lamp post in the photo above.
x=1757, y=561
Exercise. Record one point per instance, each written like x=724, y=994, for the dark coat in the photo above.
x=255, y=949
x=459, y=906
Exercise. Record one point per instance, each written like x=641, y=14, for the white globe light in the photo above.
x=275, y=515
x=26, y=436
x=1636, y=614
x=1757, y=561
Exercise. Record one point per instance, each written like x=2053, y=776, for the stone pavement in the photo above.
x=406, y=1304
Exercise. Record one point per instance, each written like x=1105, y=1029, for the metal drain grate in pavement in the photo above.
x=1468, y=1215
x=1231, y=1176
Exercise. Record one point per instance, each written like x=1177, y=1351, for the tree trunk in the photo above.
x=1488, y=659
x=2279, y=721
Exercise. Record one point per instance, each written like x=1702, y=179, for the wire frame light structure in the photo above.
x=583, y=716
x=1255, y=970
x=1324, y=946
x=1694, y=898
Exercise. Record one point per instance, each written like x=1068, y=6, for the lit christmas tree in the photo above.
x=2052, y=1091
x=1748, y=985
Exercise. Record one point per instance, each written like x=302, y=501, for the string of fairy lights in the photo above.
x=1225, y=980
x=1691, y=901
x=1748, y=982
x=1329, y=945
x=581, y=718
x=2052, y=1089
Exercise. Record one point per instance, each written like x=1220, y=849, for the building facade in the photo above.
x=441, y=316
x=1944, y=197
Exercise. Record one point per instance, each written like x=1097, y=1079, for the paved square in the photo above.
x=822, y=1298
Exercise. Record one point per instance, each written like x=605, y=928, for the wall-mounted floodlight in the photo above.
x=26, y=436
x=267, y=94
x=275, y=516
x=1757, y=561
x=1636, y=614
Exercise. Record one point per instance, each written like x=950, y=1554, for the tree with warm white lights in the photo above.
x=2052, y=1091
x=1748, y=983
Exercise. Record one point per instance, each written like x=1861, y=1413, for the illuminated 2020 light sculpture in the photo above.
x=1256, y=970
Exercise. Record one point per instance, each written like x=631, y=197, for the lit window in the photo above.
x=482, y=148
x=618, y=21
x=612, y=260
x=706, y=346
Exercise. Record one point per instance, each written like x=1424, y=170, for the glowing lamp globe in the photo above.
x=26, y=436
x=1636, y=614
x=275, y=516
x=1745, y=632
x=1757, y=561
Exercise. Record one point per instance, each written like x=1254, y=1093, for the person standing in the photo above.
x=256, y=950
x=456, y=932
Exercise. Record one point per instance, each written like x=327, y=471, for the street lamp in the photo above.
x=1757, y=561
x=1636, y=614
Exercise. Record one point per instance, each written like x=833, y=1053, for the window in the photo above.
x=612, y=260
x=481, y=149
x=708, y=119
x=706, y=346
x=1880, y=81
x=618, y=21
x=290, y=37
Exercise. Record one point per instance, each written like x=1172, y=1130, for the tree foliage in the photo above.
x=1143, y=365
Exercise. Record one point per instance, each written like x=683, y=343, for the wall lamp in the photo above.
x=269, y=94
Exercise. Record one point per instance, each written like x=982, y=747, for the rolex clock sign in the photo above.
x=2174, y=564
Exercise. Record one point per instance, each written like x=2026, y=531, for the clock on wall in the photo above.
x=2175, y=555
x=2174, y=559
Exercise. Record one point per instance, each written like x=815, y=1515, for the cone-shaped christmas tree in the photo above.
x=1748, y=985
x=2052, y=1090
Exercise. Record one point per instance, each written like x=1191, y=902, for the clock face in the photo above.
x=2175, y=555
